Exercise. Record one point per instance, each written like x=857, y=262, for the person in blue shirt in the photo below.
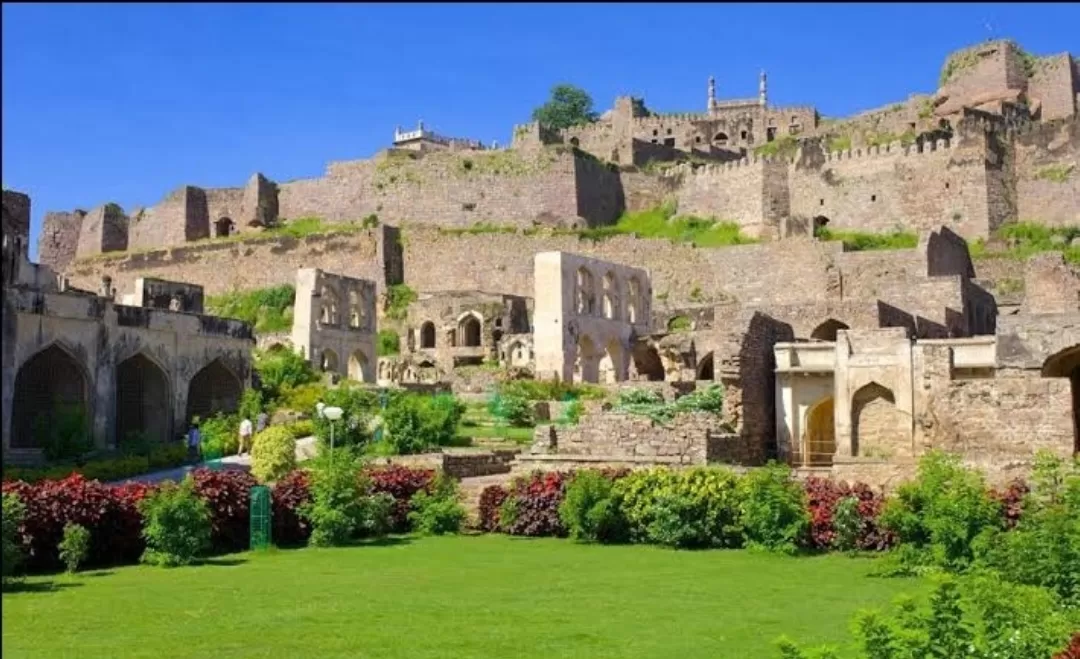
x=194, y=442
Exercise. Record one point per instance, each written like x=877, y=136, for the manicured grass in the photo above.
x=486, y=432
x=461, y=597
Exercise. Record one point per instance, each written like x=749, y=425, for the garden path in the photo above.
x=305, y=449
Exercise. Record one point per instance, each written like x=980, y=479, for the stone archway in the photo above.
x=427, y=335
x=878, y=428
x=49, y=386
x=827, y=330
x=358, y=366
x=143, y=401
x=213, y=389
x=1066, y=364
x=223, y=228
x=328, y=361
x=470, y=329
x=585, y=363
x=647, y=363
x=819, y=434
x=609, y=369
x=705, y=369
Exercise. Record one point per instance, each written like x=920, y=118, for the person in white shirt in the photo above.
x=245, y=436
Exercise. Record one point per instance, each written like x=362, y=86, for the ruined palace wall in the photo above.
x=179, y=218
x=59, y=238
x=258, y=263
x=447, y=188
x=730, y=192
x=1047, y=165
x=882, y=189
x=1054, y=86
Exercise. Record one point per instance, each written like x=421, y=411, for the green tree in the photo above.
x=568, y=106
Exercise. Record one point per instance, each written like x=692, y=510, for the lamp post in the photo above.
x=331, y=414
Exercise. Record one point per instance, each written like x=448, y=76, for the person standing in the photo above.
x=245, y=436
x=194, y=442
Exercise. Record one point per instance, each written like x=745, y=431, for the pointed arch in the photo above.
x=470, y=330
x=705, y=368
x=585, y=292
x=143, y=400
x=827, y=331
x=1066, y=364
x=427, y=335
x=819, y=434
x=215, y=388
x=647, y=363
x=328, y=361
x=633, y=301
x=359, y=366
x=611, y=296
x=585, y=361
x=610, y=367
x=878, y=427
x=51, y=384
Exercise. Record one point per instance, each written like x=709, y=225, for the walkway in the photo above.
x=305, y=449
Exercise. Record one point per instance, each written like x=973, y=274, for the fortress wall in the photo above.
x=446, y=188
x=225, y=266
x=600, y=195
x=1042, y=154
x=731, y=192
x=225, y=202
x=1054, y=86
x=599, y=139
x=881, y=189
x=59, y=238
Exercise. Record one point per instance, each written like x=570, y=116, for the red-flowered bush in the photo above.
x=823, y=495
x=228, y=494
x=490, y=499
x=401, y=483
x=288, y=494
x=1012, y=501
x=1073, y=649
x=535, y=502
x=109, y=512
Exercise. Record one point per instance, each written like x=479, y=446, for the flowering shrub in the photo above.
x=824, y=496
x=228, y=495
x=108, y=512
x=290, y=493
x=1011, y=500
x=491, y=498
x=1073, y=649
x=401, y=483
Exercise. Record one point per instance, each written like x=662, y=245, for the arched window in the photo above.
x=427, y=335
x=586, y=292
x=611, y=296
x=469, y=328
x=721, y=139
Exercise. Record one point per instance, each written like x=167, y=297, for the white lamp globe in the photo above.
x=333, y=413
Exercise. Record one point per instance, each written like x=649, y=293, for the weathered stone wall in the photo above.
x=59, y=238
x=1054, y=85
x=1051, y=285
x=104, y=229
x=183, y=216
x=222, y=267
x=731, y=192
x=1048, y=173
x=16, y=220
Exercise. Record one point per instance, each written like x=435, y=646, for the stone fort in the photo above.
x=805, y=335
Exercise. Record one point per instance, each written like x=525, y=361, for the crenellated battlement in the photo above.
x=891, y=150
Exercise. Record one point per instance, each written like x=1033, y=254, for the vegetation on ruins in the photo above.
x=1024, y=239
x=784, y=146
x=568, y=106
x=1056, y=173
x=267, y=309
x=663, y=222
x=861, y=241
x=650, y=403
x=387, y=343
x=398, y=299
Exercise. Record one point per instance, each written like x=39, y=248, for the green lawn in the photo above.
x=453, y=597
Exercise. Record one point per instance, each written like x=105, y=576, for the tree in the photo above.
x=568, y=106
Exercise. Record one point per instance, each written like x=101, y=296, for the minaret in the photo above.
x=712, y=94
x=761, y=89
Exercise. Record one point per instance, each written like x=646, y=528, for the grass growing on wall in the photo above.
x=858, y=241
x=785, y=145
x=1055, y=173
x=387, y=343
x=268, y=309
x=662, y=222
x=398, y=299
x=1025, y=239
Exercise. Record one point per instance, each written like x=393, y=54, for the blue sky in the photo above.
x=125, y=103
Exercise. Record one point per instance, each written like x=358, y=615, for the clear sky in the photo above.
x=125, y=103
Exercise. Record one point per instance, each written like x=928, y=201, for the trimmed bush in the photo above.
x=773, y=509
x=75, y=547
x=14, y=511
x=440, y=511
x=227, y=493
x=177, y=525
x=591, y=511
x=402, y=483
x=694, y=508
x=289, y=494
x=273, y=454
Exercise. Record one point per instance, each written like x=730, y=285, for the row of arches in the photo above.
x=53, y=384
x=468, y=333
x=617, y=302
x=358, y=304
x=877, y=426
x=358, y=366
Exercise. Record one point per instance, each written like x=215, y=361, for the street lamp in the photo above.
x=331, y=414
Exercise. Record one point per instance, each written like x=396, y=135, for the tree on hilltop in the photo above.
x=568, y=106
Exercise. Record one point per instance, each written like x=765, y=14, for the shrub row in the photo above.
x=117, y=468
x=111, y=515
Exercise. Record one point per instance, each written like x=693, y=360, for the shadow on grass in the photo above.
x=99, y=573
x=222, y=562
x=38, y=586
x=383, y=541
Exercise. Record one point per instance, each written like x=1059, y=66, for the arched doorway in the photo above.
x=633, y=301
x=610, y=296
x=721, y=139
x=609, y=370
x=827, y=330
x=358, y=366
x=223, y=228
x=213, y=389
x=469, y=328
x=819, y=434
x=143, y=403
x=50, y=386
x=328, y=362
x=878, y=428
x=585, y=363
x=427, y=335
x=1066, y=364
x=647, y=363
x=705, y=369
